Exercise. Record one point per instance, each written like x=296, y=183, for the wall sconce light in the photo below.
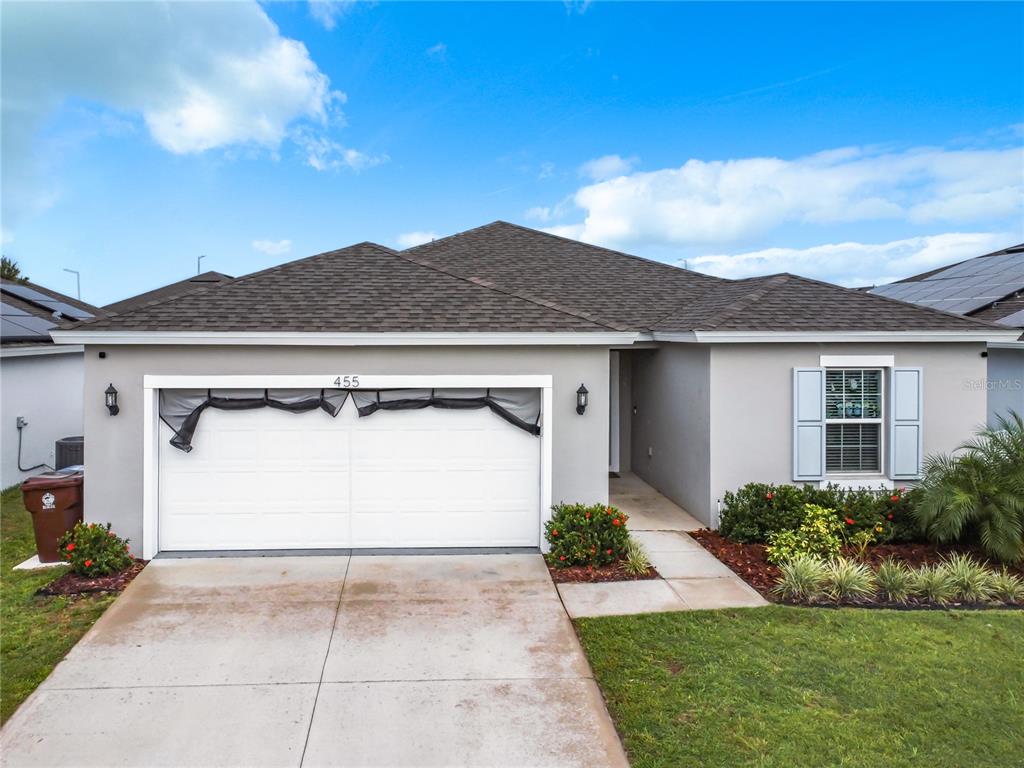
x=111, y=400
x=581, y=399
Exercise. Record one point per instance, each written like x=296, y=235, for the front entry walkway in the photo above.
x=692, y=578
x=321, y=661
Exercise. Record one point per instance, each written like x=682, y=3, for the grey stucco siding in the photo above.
x=671, y=429
x=1005, y=382
x=752, y=403
x=114, y=444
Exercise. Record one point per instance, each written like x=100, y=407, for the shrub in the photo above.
x=895, y=580
x=803, y=578
x=1007, y=587
x=637, y=561
x=848, y=580
x=972, y=581
x=981, y=490
x=757, y=510
x=94, y=550
x=586, y=535
x=818, y=535
x=933, y=583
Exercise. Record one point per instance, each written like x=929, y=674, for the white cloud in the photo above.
x=410, y=239
x=856, y=264
x=724, y=201
x=540, y=213
x=325, y=154
x=327, y=12
x=438, y=51
x=607, y=167
x=199, y=76
x=273, y=247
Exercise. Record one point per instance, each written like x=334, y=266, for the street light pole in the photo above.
x=78, y=282
x=198, y=262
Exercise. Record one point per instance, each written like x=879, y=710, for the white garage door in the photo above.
x=269, y=479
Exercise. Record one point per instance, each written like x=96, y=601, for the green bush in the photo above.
x=637, y=560
x=94, y=550
x=818, y=536
x=757, y=510
x=848, y=580
x=895, y=580
x=1007, y=587
x=934, y=584
x=979, y=492
x=972, y=581
x=803, y=578
x=591, y=535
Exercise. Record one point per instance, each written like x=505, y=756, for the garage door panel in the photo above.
x=266, y=479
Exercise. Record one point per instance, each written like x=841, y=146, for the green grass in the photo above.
x=35, y=632
x=789, y=687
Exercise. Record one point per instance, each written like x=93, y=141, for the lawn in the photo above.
x=788, y=687
x=35, y=632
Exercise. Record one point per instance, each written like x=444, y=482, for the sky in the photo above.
x=856, y=143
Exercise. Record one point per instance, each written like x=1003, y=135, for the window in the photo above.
x=853, y=420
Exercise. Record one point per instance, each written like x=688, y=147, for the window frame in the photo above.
x=880, y=421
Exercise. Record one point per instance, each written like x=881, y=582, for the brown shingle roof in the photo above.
x=169, y=291
x=364, y=287
x=506, y=278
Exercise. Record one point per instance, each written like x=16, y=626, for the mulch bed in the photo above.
x=71, y=584
x=751, y=564
x=586, y=574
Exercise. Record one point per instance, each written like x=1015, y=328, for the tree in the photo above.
x=9, y=270
x=981, y=489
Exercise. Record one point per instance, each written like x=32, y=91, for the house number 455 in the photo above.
x=347, y=382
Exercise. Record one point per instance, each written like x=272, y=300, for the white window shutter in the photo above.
x=808, y=424
x=906, y=415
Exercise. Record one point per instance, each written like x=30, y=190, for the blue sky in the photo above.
x=851, y=142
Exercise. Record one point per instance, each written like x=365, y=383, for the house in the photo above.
x=40, y=382
x=989, y=287
x=448, y=394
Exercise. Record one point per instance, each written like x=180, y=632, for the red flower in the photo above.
x=110, y=533
x=609, y=511
x=70, y=547
x=609, y=551
x=67, y=557
x=769, y=496
x=88, y=563
x=554, y=533
x=588, y=515
x=895, y=497
x=889, y=516
x=616, y=521
x=850, y=521
x=562, y=557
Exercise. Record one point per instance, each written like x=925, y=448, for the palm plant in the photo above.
x=982, y=488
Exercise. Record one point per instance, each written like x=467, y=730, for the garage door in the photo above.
x=269, y=479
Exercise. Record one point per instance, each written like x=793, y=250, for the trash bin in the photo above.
x=55, y=501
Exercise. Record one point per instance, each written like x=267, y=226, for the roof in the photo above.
x=364, y=287
x=506, y=278
x=28, y=311
x=169, y=291
x=986, y=287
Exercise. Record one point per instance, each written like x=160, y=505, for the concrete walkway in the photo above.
x=322, y=661
x=692, y=578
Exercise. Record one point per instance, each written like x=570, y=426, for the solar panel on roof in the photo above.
x=37, y=297
x=8, y=310
x=27, y=327
x=1016, y=320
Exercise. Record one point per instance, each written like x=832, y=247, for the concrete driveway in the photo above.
x=463, y=660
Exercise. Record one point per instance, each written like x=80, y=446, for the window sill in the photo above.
x=865, y=480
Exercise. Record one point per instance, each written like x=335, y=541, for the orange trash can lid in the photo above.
x=53, y=480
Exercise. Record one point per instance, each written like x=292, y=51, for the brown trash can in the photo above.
x=55, y=501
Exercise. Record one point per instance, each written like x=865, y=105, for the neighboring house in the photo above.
x=989, y=287
x=40, y=382
x=434, y=397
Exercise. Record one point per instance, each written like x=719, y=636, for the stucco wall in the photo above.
x=113, y=491
x=47, y=391
x=752, y=402
x=625, y=412
x=1005, y=382
x=671, y=428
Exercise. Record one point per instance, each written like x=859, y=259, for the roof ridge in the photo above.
x=890, y=300
x=506, y=292
x=765, y=284
x=533, y=231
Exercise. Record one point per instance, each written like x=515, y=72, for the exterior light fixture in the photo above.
x=581, y=399
x=111, y=400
